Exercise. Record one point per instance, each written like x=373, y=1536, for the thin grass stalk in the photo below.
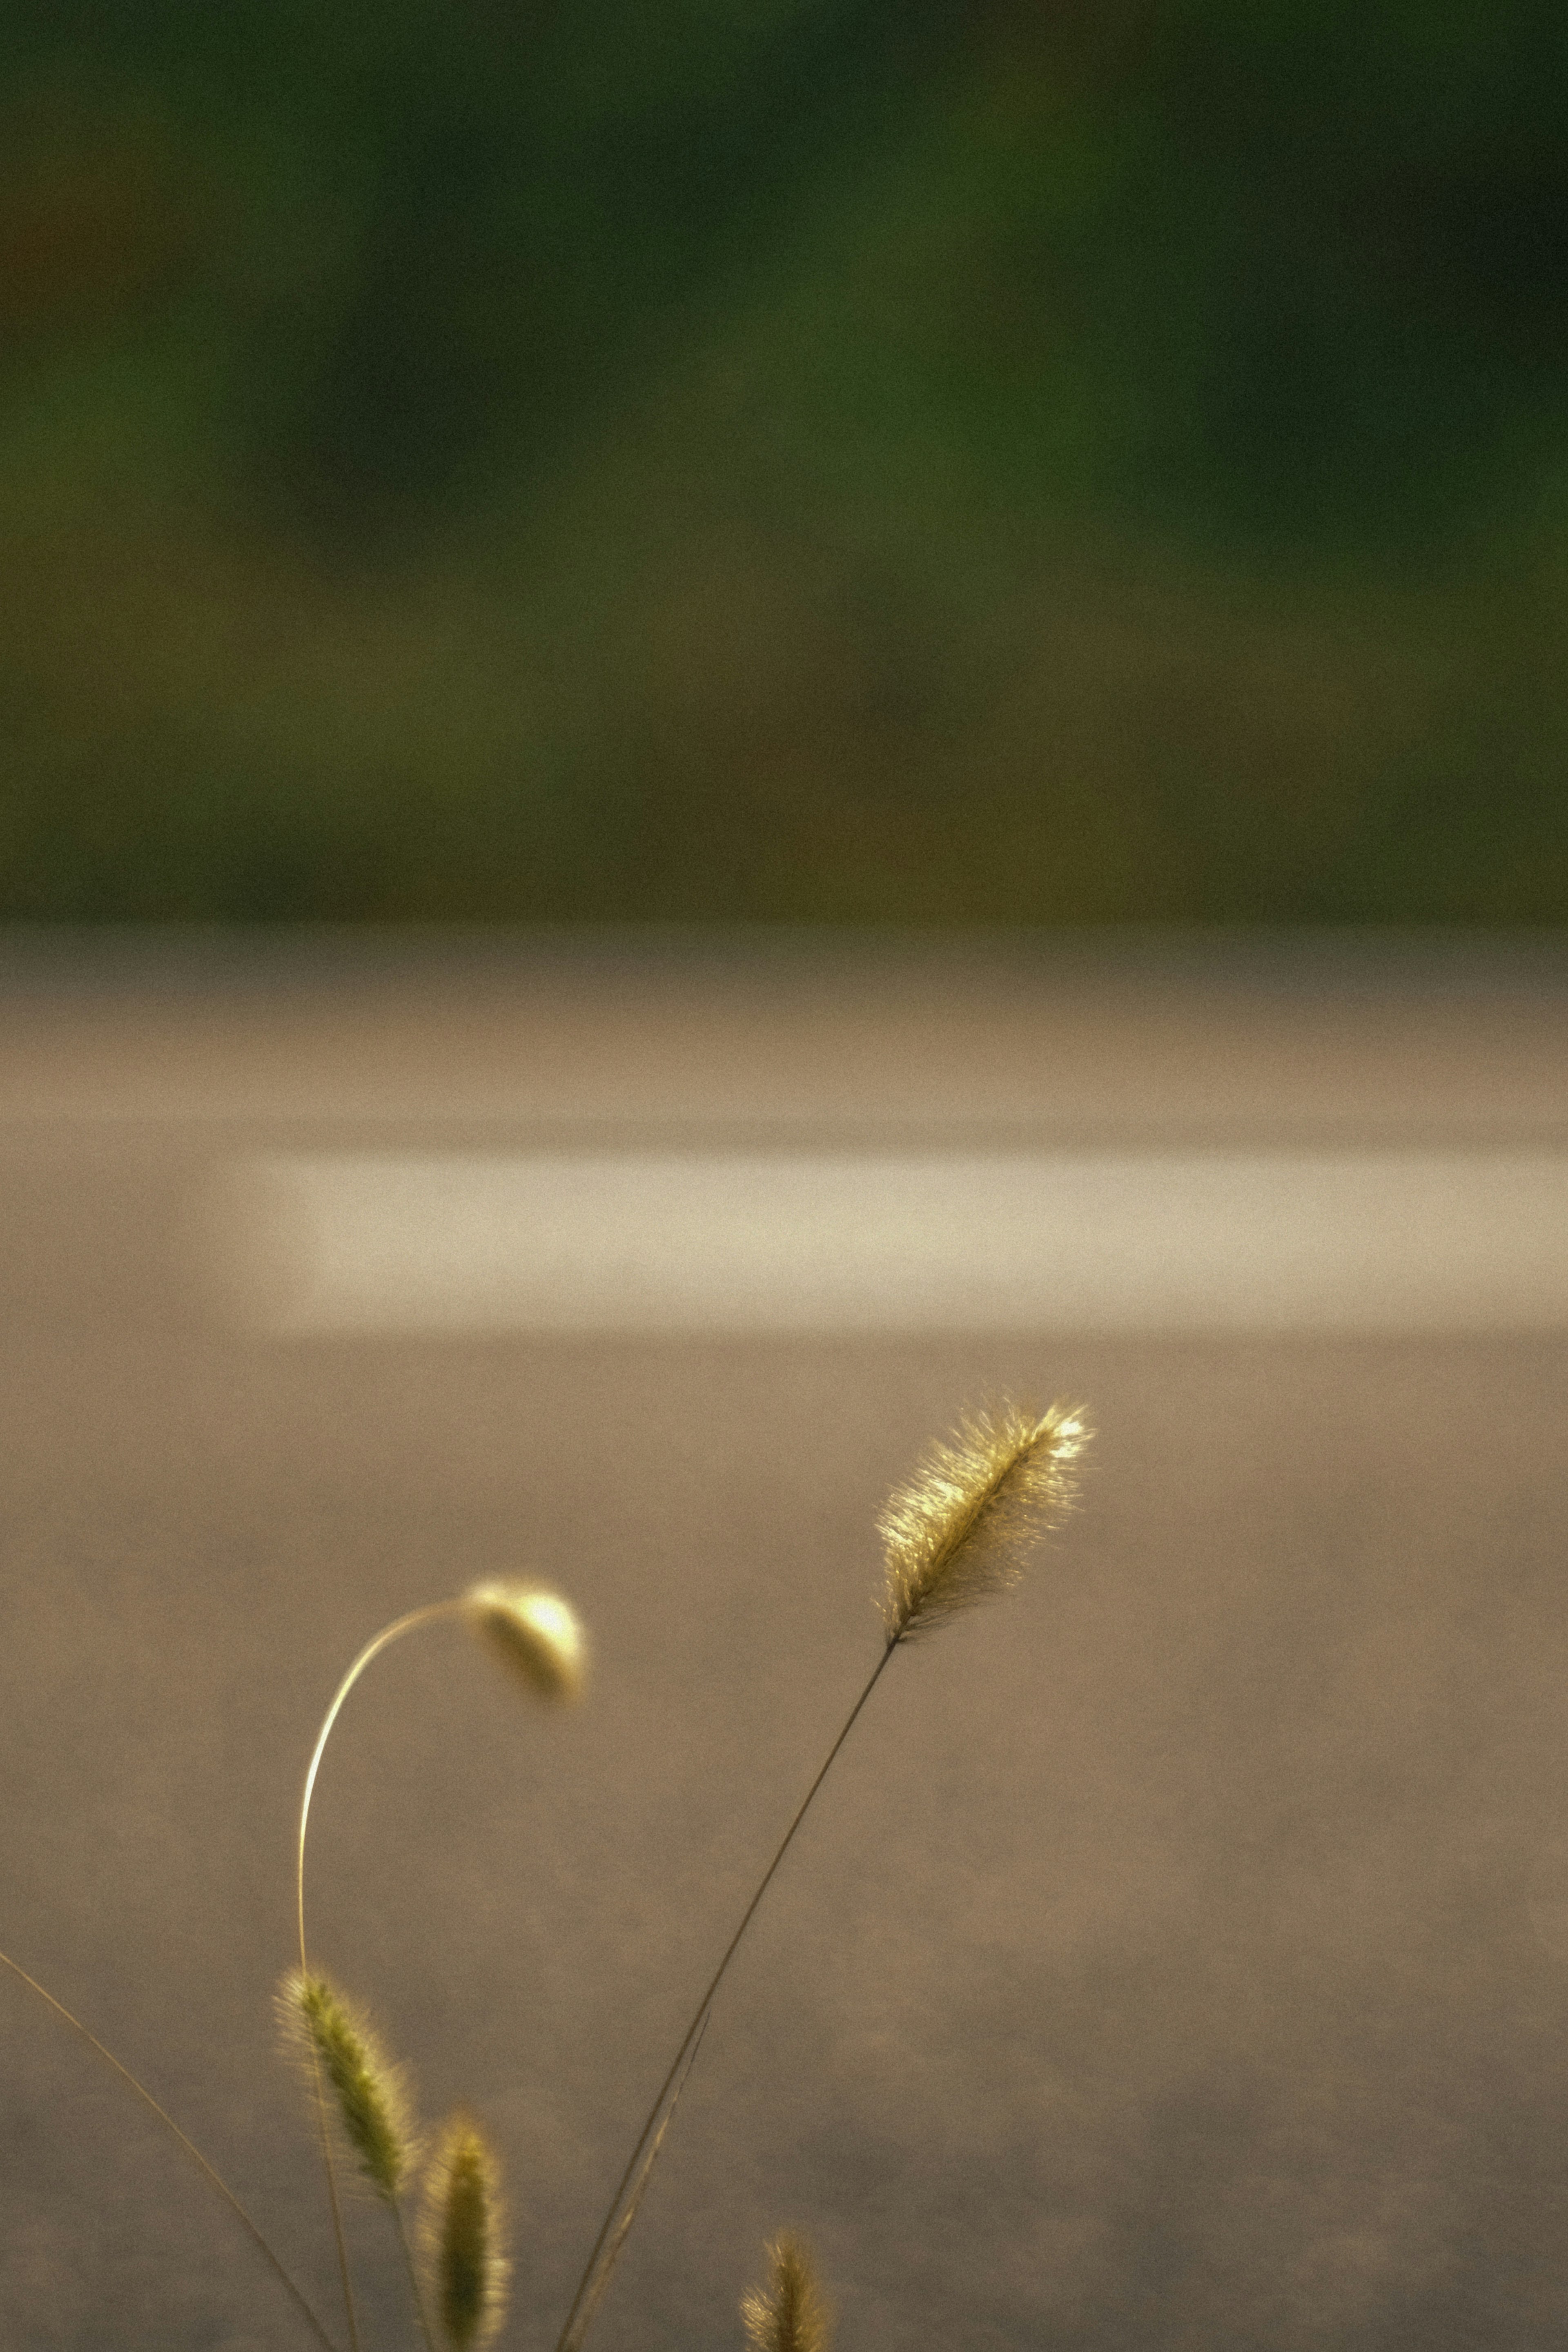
x=591, y=2302
x=956, y=1531
x=551, y=1664
x=372, y=1649
x=566, y=2338
x=548, y=1657
x=334, y=2201
x=209, y=2172
x=415, y=2287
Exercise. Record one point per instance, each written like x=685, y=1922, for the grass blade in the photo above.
x=594, y=2293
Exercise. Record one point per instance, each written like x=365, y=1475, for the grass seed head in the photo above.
x=372, y=2094
x=792, y=2314
x=462, y=2225
x=533, y=1632
x=966, y=1522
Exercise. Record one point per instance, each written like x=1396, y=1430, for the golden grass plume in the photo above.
x=792, y=2314
x=462, y=2226
x=371, y=2092
x=963, y=1526
x=534, y=1633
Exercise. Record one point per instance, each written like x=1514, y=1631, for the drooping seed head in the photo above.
x=461, y=2229
x=534, y=1633
x=966, y=1522
x=372, y=2094
x=790, y=2313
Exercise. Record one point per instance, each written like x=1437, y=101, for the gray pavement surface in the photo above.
x=1179, y=1956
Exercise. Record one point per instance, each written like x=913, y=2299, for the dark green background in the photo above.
x=809, y=459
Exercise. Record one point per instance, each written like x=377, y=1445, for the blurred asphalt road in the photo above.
x=1179, y=1956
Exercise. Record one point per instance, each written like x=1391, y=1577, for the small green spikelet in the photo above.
x=461, y=2228
x=372, y=2101
x=792, y=2315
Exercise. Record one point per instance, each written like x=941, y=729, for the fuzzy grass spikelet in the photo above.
x=372, y=2094
x=792, y=2314
x=534, y=1633
x=964, y=1524
x=462, y=2224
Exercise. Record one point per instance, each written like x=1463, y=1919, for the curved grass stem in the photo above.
x=372, y=1649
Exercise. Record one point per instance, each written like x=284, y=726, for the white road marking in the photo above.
x=772, y=1241
x=605, y=1242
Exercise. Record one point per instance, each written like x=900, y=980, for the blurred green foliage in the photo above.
x=788, y=458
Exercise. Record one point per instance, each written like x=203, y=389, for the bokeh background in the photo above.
x=824, y=460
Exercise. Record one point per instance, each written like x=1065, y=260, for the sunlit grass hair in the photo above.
x=792, y=2314
x=963, y=1526
x=372, y=2094
x=461, y=2232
